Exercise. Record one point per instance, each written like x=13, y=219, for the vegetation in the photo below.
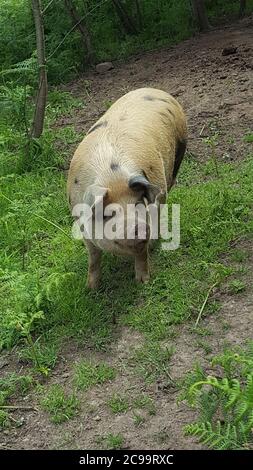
x=87, y=374
x=224, y=401
x=60, y=406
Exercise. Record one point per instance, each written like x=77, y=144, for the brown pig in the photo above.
x=130, y=156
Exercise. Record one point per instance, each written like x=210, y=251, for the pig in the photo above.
x=130, y=156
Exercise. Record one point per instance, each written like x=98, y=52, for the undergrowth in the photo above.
x=224, y=400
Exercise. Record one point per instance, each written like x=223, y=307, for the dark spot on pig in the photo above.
x=151, y=168
x=171, y=112
x=114, y=166
x=76, y=180
x=148, y=98
x=162, y=99
x=98, y=126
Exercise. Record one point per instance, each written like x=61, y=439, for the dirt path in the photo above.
x=215, y=90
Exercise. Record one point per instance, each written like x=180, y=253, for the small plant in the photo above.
x=4, y=419
x=201, y=331
x=152, y=361
x=138, y=419
x=24, y=323
x=108, y=103
x=114, y=441
x=248, y=138
x=204, y=345
x=212, y=142
x=14, y=384
x=118, y=404
x=239, y=255
x=145, y=402
x=225, y=403
x=236, y=286
x=59, y=405
x=88, y=374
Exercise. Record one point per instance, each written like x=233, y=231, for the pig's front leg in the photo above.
x=142, y=267
x=94, y=270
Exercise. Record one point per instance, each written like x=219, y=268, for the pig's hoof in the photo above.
x=142, y=276
x=93, y=282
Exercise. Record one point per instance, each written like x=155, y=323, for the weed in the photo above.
x=139, y=419
x=88, y=374
x=236, y=286
x=4, y=419
x=152, y=361
x=59, y=405
x=118, y=404
x=145, y=402
x=114, y=441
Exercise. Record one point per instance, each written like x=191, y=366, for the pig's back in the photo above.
x=142, y=128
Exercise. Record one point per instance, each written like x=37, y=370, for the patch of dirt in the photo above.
x=215, y=90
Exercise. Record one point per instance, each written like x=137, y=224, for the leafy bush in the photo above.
x=224, y=402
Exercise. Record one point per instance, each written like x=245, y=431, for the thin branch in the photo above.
x=74, y=27
x=18, y=407
x=47, y=6
x=204, y=303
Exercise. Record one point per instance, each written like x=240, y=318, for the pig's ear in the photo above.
x=95, y=195
x=141, y=185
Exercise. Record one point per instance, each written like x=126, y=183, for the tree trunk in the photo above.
x=200, y=14
x=125, y=18
x=138, y=13
x=242, y=8
x=81, y=26
x=41, y=100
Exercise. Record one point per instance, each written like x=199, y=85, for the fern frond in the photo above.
x=27, y=65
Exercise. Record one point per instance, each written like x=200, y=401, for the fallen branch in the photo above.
x=204, y=304
x=18, y=407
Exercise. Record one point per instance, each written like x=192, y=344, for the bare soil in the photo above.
x=216, y=92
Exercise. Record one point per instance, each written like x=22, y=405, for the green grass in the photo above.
x=146, y=403
x=4, y=419
x=204, y=345
x=152, y=361
x=88, y=374
x=118, y=404
x=11, y=386
x=248, y=138
x=60, y=406
x=14, y=384
x=236, y=286
x=139, y=419
x=114, y=441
